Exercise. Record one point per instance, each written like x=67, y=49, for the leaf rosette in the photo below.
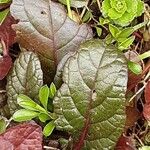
x=122, y=12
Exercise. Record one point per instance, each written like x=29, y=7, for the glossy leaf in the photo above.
x=48, y=129
x=21, y=137
x=43, y=95
x=52, y=38
x=26, y=78
x=24, y=115
x=90, y=104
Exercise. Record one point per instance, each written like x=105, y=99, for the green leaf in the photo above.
x=114, y=30
x=90, y=103
x=99, y=31
x=48, y=129
x=109, y=39
x=5, y=1
x=24, y=115
x=144, y=148
x=3, y=15
x=145, y=55
x=125, y=32
x=26, y=77
x=27, y=103
x=88, y=15
x=52, y=90
x=44, y=117
x=52, y=38
x=135, y=67
x=2, y=125
x=103, y=21
x=126, y=44
x=43, y=95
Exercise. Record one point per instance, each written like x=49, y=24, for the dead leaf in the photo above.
x=26, y=136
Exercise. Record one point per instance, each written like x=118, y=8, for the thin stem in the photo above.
x=99, y=5
x=69, y=9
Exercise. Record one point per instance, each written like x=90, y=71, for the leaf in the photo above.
x=48, y=129
x=43, y=95
x=125, y=32
x=43, y=117
x=126, y=44
x=135, y=67
x=52, y=38
x=26, y=78
x=4, y=1
x=114, y=30
x=144, y=148
x=5, y=65
x=7, y=35
x=25, y=102
x=90, y=104
x=2, y=125
x=3, y=15
x=24, y=115
x=52, y=90
x=146, y=108
x=21, y=137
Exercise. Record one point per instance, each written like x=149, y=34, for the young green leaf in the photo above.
x=144, y=55
x=3, y=15
x=48, y=129
x=126, y=44
x=109, y=39
x=5, y=1
x=43, y=95
x=114, y=30
x=99, y=31
x=135, y=67
x=27, y=103
x=52, y=90
x=24, y=115
x=125, y=32
x=44, y=117
x=87, y=16
x=2, y=125
x=103, y=21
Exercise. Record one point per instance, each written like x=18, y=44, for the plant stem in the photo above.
x=69, y=9
x=140, y=25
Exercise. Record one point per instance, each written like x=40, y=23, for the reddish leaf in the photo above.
x=6, y=31
x=5, y=65
x=125, y=143
x=147, y=93
x=146, y=109
x=27, y=136
x=7, y=36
